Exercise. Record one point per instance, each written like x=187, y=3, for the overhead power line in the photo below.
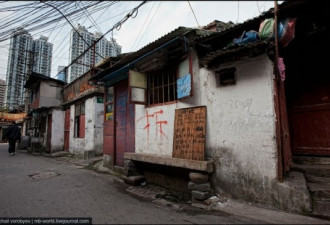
x=72, y=27
x=117, y=26
x=194, y=14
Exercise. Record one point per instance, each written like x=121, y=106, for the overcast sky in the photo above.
x=154, y=19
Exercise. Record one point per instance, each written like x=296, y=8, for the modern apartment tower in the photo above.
x=25, y=55
x=42, y=54
x=103, y=48
x=2, y=93
x=18, y=67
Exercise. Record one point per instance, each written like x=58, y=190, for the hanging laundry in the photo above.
x=266, y=29
x=281, y=68
x=287, y=30
x=247, y=37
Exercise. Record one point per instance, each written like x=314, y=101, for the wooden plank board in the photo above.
x=189, y=133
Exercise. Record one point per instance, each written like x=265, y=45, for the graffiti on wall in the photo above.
x=154, y=119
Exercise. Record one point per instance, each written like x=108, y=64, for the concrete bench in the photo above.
x=200, y=171
x=203, y=166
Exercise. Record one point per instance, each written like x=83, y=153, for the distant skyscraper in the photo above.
x=77, y=46
x=2, y=93
x=25, y=56
x=61, y=73
x=42, y=53
x=18, y=67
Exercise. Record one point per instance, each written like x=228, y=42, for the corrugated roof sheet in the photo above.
x=160, y=41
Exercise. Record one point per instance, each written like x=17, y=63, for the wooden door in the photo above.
x=310, y=120
x=121, y=91
x=67, y=130
x=124, y=125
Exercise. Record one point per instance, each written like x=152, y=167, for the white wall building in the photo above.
x=92, y=139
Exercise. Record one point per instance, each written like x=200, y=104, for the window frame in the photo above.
x=175, y=79
x=79, y=120
x=109, y=101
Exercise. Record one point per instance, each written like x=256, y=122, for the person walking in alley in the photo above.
x=12, y=134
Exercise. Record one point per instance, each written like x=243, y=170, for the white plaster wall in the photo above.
x=93, y=139
x=98, y=126
x=57, y=140
x=240, y=135
x=89, y=124
x=154, y=139
x=242, y=116
x=158, y=139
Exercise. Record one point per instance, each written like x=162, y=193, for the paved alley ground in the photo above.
x=39, y=186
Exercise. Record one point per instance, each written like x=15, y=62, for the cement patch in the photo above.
x=43, y=175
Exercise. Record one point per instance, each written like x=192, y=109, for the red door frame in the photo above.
x=67, y=130
x=111, y=135
x=284, y=156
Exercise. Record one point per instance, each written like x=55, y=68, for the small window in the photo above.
x=79, y=121
x=226, y=76
x=137, y=87
x=109, y=104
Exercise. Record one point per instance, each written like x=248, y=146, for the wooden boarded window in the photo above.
x=189, y=133
x=79, y=121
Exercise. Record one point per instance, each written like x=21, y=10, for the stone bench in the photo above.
x=203, y=166
x=198, y=175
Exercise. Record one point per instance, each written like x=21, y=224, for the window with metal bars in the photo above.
x=162, y=86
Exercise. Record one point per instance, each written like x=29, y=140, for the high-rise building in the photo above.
x=18, y=67
x=2, y=93
x=42, y=54
x=25, y=56
x=103, y=48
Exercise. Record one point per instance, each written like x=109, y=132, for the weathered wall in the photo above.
x=157, y=138
x=240, y=134
x=49, y=94
x=98, y=126
x=241, y=129
x=93, y=139
x=57, y=140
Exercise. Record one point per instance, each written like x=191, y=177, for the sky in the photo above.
x=153, y=20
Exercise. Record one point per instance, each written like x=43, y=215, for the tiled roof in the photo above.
x=233, y=49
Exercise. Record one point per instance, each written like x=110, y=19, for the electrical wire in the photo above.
x=82, y=38
x=147, y=17
x=237, y=11
x=194, y=14
x=149, y=24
